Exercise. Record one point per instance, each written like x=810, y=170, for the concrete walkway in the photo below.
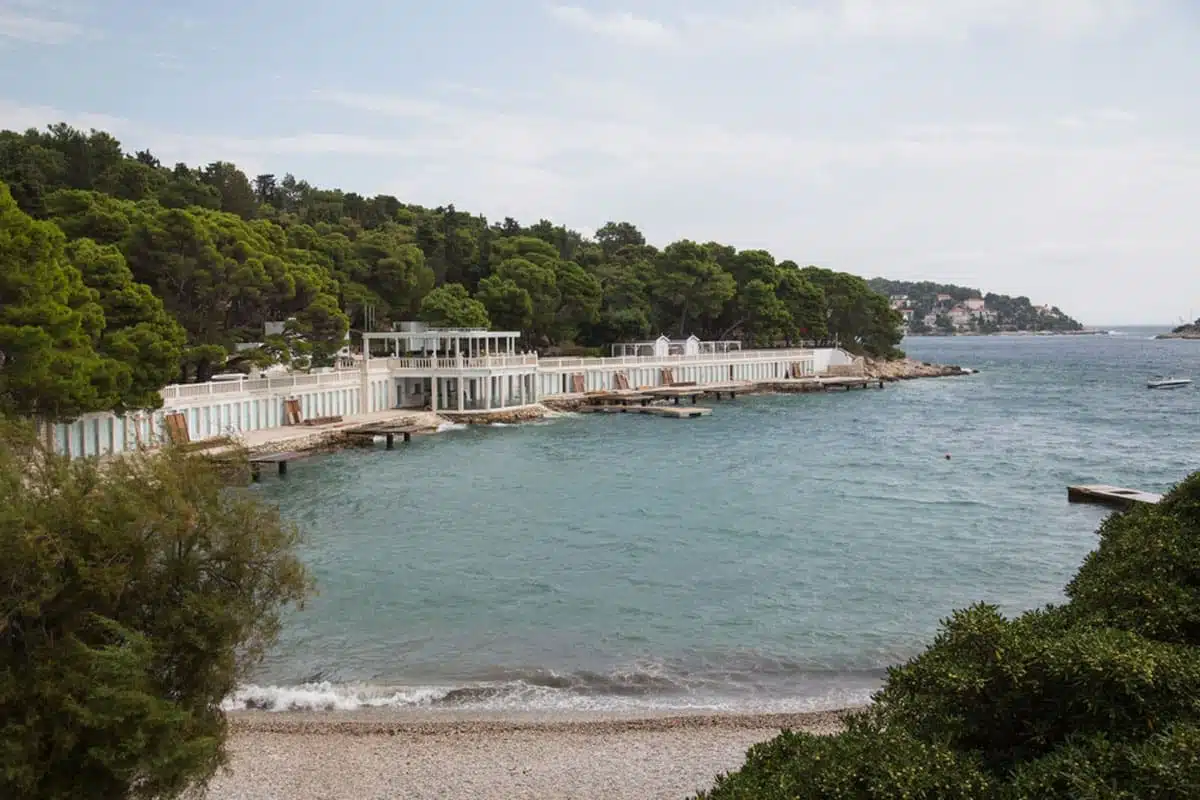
x=306, y=437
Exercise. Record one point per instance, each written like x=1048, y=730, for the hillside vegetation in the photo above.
x=939, y=307
x=149, y=273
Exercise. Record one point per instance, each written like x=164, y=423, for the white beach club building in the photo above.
x=469, y=372
x=452, y=371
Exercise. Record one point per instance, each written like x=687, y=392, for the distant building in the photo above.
x=944, y=298
x=961, y=317
x=975, y=304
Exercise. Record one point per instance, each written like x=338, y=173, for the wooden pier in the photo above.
x=279, y=459
x=390, y=432
x=1111, y=496
x=675, y=393
x=672, y=412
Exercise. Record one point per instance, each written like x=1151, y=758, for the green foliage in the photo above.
x=224, y=254
x=49, y=324
x=125, y=626
x=138, y=332
x=866, y=762
x=1098, y=698
x=451, y=306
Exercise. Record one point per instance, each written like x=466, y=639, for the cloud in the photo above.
x=1096, y=118
x=29, y=21
x=620, y=25
x=1009, y=201
x=865, y=20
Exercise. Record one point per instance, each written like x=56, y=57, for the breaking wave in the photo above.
x=640, y=689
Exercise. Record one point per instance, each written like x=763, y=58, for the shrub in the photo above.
x=1096, y=699
x=135, y=596
x=867, y=761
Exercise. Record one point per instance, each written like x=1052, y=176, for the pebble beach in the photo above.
x=378, y=755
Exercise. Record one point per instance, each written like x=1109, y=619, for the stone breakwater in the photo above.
x=905, y=369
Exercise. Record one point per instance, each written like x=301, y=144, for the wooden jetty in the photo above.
x=390, y=432
x=672, y=412
x=1110, y=496
x=675, y=393
x=851, y=382
x=279, y=459
x=732, y=388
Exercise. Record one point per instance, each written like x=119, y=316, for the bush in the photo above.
x=135, y=596
x=1097, y=699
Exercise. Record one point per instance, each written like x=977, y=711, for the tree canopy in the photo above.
x=122, y=629
x=190, y=261
x=1097, y=698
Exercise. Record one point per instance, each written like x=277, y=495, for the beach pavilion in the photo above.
x=453, y=370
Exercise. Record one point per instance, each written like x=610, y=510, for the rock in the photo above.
x=909, y=368
x=523, y=414
x=1182, y=332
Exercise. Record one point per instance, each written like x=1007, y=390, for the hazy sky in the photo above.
x=1040, y=147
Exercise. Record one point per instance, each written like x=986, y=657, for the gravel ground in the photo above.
x=316, y=757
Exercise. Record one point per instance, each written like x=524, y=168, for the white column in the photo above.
x=487, y=397
x=363, y=387
x=462, y=386
x=433, y=392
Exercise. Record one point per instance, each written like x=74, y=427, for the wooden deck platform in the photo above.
x=852, y=382
x=732, y=388
x=390, y=432
x=279, y=459
x=673, y=412
x=676, y=393
x=1110, y=495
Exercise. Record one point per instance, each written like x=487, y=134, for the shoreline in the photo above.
x=313, y=757
x=334, y=436
x=390, y=722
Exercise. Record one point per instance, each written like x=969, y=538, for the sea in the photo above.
x=775, y=556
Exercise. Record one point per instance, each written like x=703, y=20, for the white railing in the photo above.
x=192, y=391
x=735, y=356
x=483, y=362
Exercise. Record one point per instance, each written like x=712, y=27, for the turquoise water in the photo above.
x=776, y=555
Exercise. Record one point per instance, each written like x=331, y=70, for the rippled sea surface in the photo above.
x=779, y=554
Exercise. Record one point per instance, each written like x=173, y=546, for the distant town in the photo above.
x=945, y=309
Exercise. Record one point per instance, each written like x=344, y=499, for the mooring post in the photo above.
x=408, y=436
x=390, y=438
x=283, y=467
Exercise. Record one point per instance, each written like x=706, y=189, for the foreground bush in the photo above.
x=134, y=598
x=1097, y=699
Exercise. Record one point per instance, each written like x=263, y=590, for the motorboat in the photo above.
x=1168, y=383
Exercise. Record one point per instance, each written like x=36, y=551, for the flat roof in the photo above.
x=429, y=333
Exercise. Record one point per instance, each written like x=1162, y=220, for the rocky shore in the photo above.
x=1186, y=332
x=905, y=369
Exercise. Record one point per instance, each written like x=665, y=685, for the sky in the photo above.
x=1049, y=148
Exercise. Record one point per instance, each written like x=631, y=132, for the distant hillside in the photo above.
x=945, y=308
